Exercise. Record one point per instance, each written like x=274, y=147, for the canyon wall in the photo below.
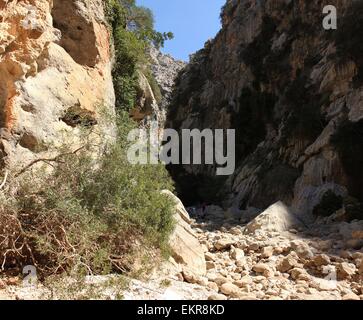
x=55, y=77
x=293, y=92
x=165, y=70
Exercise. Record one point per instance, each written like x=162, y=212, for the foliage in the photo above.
x=133, y=31
x=86, y=216
x=78, y=287
x=154, y=86
x=139, y=20
x=129, y=52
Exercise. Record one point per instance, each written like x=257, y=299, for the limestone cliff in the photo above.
x=165, y=69
x=55, y=72
x=294, y=93
x=154, y=98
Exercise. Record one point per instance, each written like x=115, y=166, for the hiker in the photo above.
x=204, y=208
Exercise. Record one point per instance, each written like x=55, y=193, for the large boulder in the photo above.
x=185, y=246
x=277, y=218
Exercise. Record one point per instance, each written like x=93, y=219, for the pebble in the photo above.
x=217, y=297
x=287, y=263
x=264, y=269
x=213, y=286
x=237, y=254
x=229, y=289
x=267, y=252
x=345, y=270
x=351, y=296
x=223, y=244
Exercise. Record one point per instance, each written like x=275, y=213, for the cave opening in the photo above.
x=78, y=34
x=196, y=189
x=348, y=142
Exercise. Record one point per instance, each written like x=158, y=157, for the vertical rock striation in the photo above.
x=165, y=69
x=294, y=93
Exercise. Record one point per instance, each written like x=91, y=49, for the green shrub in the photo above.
x=94, y=217
x=129, y=53
x=154, y=86
x=132, y=31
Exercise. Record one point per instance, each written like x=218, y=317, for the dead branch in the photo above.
x=48, y=160
x=2, y=185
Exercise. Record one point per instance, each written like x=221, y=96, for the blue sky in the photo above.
x=193, y=22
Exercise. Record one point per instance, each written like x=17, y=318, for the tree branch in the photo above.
x=4, y=181
x=55, y=159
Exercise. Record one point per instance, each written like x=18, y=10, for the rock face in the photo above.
x=147, y=105
x=165, y=70
x=294, y=93
x=55, y=72
x=185, y=246
x=153, y=95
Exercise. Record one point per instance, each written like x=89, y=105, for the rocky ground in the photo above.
x=260, y=260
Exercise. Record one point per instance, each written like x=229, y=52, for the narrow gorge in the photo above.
x=293, y=93
x=77, y=76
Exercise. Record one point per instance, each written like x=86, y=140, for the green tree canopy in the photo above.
x=140, y=20
x=133, y=31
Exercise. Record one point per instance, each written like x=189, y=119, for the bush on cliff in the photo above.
x=133, y=31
